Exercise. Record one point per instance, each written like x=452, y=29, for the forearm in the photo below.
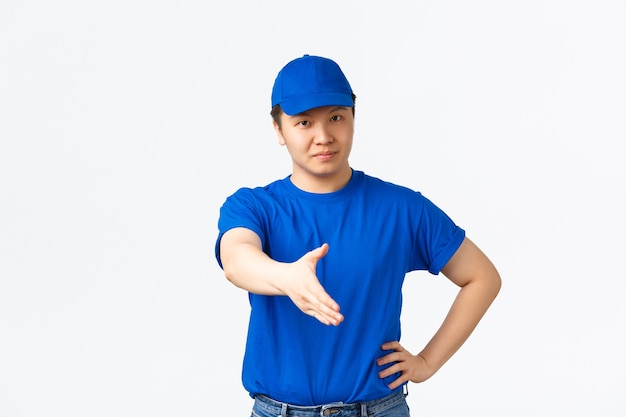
x=252, y=270
x=468, y=308
x=248, y=267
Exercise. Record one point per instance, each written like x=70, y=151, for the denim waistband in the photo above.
x=363, y=408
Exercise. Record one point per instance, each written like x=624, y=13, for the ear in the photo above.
x=279, y=133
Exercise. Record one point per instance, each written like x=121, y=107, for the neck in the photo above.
x=322, y=184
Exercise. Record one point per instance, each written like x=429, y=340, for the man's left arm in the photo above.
x=479, y=283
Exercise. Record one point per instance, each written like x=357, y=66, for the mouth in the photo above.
x=324, y=156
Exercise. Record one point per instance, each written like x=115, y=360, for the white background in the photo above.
x=125, y=124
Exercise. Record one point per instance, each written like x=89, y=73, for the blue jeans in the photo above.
x=394, y=405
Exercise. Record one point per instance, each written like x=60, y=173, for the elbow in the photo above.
x=229, y=274
x=495, y=283
x=227, y=263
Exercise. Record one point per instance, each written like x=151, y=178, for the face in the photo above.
x=319, y=142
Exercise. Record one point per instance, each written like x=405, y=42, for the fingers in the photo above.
x=399, y=354
x=316, y=302
x=307, y=292
x=397, y=382
x=326, y=310
x=329, y=319
x=409, y=367
x=399, y=366
x=393, y=345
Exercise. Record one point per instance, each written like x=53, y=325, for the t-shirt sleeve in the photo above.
x=438, y=237
x=239, y=210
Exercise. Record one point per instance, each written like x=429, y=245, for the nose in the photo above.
x=323, y=135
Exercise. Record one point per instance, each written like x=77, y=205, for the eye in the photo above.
x=303, y=123
x=336, y=118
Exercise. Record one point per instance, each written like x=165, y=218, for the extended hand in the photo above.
x=411, y=367
x=307, y=293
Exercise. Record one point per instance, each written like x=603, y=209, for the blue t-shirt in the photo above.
x=376, y=232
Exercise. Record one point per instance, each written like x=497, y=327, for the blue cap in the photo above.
x=309, y=82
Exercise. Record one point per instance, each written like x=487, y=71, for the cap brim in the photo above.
x=301, y=104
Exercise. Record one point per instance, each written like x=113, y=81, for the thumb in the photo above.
x=319, y=253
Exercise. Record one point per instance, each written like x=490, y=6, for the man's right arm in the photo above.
x=248, y=267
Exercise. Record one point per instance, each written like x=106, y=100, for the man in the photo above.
x=323, y=254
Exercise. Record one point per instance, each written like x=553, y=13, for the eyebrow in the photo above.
x=306, y=113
